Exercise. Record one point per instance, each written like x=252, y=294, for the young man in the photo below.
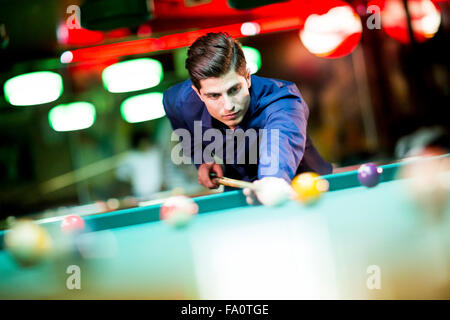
x=221, y=95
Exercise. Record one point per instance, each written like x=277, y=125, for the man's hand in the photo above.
x=205, y=170
x=250, y=196
x=269, y=191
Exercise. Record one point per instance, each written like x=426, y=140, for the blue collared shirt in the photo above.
x=276, y=109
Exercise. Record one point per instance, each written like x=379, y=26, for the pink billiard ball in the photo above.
x=72, y=224
x=178, y=210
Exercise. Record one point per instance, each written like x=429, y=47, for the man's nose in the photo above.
x=228, y=104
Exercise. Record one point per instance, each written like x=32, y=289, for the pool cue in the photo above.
x=80, y=174
x=232, y=182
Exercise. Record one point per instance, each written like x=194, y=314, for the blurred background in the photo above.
x=81, y=120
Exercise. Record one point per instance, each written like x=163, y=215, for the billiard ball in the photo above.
x=309, y=187
x=72, y=224
x=28, y=243
x=272, y=191
x=178, y=210
x=112, y=204
x=369, y=174
x=426, y=181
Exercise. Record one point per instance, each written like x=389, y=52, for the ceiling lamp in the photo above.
x=132, y=75
x=334, y=33
x=143, y=107
x=253, y=59
x=72, y=116
x=425, y=19
x=33, y=88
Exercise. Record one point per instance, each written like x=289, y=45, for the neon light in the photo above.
x=250, y=28
x=253, y=58
x=174, y=41
x=132, y=75
x=33, y=88
x=143, y=107
x=66, y=57
x=425, y=19
x=78, y=36
x=325, y=35
x=72, y=116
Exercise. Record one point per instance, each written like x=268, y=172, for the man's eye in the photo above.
x=215, y=96
x=234, y=90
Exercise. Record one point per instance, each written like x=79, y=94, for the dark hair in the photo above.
x=213, y=55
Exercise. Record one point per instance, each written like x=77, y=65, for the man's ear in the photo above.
x=248, y=78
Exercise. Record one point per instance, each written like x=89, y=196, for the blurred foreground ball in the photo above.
x=272, y=191
x=72, y=224
x=309, y=186
x=28, y=242
x=178, y=210
x=428, y=182
x=369, y=174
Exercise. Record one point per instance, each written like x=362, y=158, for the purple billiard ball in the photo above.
x=369, y=174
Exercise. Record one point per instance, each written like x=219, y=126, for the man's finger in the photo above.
x=211, y=183
x=204, y=178
x=217, y=168
x=214, y=182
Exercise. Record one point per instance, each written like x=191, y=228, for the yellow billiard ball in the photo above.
x=308, y=187
x=28, y=242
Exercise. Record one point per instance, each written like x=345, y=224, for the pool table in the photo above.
x=355, y=243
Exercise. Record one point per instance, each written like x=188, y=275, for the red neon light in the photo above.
x=174, y=41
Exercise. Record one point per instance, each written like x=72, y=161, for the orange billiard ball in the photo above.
x=309, y=187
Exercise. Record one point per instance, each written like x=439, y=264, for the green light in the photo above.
x=253, y=58
x=33, y=88
x=72, y=116
x=143, y=107
x=132, y=75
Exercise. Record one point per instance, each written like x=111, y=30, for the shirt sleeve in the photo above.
x=282, y=143
x=170, y=109
x=179, y=124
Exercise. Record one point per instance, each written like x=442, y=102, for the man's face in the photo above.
x=227, y=98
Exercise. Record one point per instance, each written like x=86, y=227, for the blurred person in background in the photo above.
x=142, y=167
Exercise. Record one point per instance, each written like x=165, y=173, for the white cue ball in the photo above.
x=272, y=191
